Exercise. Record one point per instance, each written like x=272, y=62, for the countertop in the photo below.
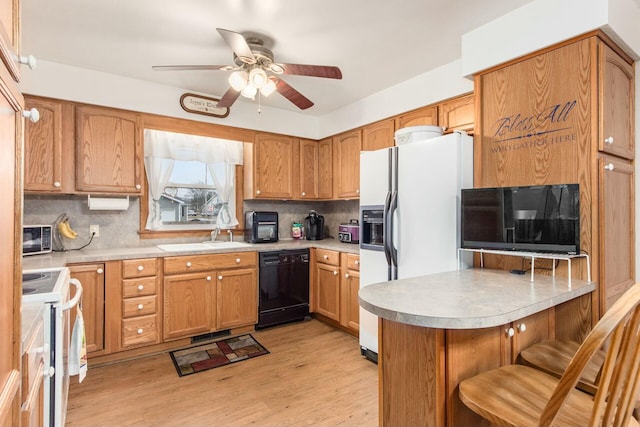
x=60, y=259
x=468, y=299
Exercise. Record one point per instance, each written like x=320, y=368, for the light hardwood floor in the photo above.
x=314, y=376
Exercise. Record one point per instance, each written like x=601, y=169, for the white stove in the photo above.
x=43, y=285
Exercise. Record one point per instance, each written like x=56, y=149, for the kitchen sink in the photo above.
x=204, y=246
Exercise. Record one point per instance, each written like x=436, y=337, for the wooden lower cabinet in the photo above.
x=236, y=298
x=327, y=290
x=189, y=304
x=32, y=413
x=92, y=278
x=349, y=287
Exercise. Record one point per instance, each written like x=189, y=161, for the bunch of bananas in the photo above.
x=66, y=230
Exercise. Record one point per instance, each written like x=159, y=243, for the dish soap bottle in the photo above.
x=297, y=230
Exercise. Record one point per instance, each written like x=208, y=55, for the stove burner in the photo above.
x=29, y=291
x=29, y=277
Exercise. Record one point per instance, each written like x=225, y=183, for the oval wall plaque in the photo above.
x=198, y=104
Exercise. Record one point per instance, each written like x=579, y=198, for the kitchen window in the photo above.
x=191, y=181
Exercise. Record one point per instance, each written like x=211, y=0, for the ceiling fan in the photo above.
x=255, y=70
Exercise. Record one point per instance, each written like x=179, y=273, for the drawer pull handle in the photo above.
x=257, y=191
x=138, y=186
x=335, y=273
x=609, y=140
x=57, y=184
x=140, y=306
x=140, y=267
x=510, y=332
x=357, y=262
x=140, y=331
x=325, y=256
x=237, y=260
x=609, y=166
x=522, y=327
x=304, y=194
x=100, y=271
x=209, y=278
x=220, y=277
x=140, y=287
x=188, y=263
x=346, y=276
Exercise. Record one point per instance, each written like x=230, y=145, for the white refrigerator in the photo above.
x=410, y=214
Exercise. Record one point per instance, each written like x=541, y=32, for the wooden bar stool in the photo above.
x=518, y=395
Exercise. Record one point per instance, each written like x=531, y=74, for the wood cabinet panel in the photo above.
x=91, y=276
x=309, y=158
x=133, y=268
x=274, y=167
x=139, y=306
x=189, y=304
x=10, y=37
x=617, y=104
x=191, y=263
x=350, y=309
x=346, y=154
x=141, y=330
x=139, y=287
x=378, y=135
x=237, y=298
x=325, y=169
x=420, y=117
x=457, y=114
x=108, y=150
x=327, y=297
x=327, y=256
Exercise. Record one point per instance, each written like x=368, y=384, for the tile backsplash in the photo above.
x=120, y=228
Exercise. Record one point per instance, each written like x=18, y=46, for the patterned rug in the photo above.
x=214, y=354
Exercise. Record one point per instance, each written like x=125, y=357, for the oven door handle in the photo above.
x=76, y=298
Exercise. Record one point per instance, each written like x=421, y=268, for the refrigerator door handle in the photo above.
x=392, y=249
x=386, y=238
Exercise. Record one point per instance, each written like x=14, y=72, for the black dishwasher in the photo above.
x=284, y=287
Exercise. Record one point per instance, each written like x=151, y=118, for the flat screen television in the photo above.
x=542, y=218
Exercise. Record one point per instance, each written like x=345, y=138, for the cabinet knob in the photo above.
x=28, y=60
x=49, y=371
x=609, y=140
x=57, y=184
x=140, y=306
x=510, y=332
x=220, y=277
x=522, y=327
x=346, y=276
x=140, y=331
x=335, y=273
x=237, y=260
x=140, y=267
x=208, y=278
x=325, y=256
x=140, y=287
x=304, y=194
x=33, y=115
x=138, y=186
x=357, y=262
x=358, y=191
x=100, y=271
x=188, y=263
x=257, y=191
x=609, y=167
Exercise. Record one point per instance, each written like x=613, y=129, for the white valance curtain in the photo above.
x=162, y=148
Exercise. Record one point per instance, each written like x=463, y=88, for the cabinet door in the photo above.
x=309, y=157
x=530, y=330
x=616, y=229
x=43, y=147
x=378, y=135
x=421, y=117
x=10, y=33
x=91, y=276
x=346, y=152
x=108, y=150
x=617, y=106
x=325, y=169
x=327, y=298
x=189, y=304
x=350, y=316
x=457, y=114
x=237, y=298
x=275, y=161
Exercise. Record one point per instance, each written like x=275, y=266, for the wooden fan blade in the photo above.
x=238, y=45
x=228, y=98
x=298, y=99
x=312, y=70
x=190, y=67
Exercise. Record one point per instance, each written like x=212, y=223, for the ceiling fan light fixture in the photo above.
x=258, y=77
x=276, y=68
x=249, y=91
x=269, y=88
x=238, y=80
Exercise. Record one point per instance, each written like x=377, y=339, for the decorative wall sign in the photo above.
x=198, y=104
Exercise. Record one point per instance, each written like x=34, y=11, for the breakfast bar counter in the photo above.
x=437, y=330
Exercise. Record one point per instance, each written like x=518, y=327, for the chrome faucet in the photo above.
x=230, y=233
x=214, y=234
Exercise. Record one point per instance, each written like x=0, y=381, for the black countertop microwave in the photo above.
x=261, y=227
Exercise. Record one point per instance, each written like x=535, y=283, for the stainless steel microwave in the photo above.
x=36, y=239
x=261, y=227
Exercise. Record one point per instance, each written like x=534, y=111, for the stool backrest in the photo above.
x=618, y=381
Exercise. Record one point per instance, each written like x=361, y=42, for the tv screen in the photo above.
x=543, y=218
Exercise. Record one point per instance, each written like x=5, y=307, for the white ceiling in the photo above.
x=376, y=43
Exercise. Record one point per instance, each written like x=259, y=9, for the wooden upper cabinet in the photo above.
x=309, y=156
x=420, y=117
x=10, y=36
x=378, y=135
x=617, y=104
x=325, y=169
x=457, y=114
x=108, y=150
x=43, y=147
x=273, y=165
x=346, y=174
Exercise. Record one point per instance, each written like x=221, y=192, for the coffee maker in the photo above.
x=314, y=226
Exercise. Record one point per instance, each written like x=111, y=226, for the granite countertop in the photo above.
x=468, y=299
x=60, y=259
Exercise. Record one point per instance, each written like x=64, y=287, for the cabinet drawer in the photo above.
x=140, y=330
x=139, y=306
x=32, y=362
x=139, y=268
x=138, y=287
x=353, y=262
x=187, y=264
x=328, y=257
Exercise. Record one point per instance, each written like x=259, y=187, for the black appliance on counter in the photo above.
x=261, y=227
x=314, y=226
x=284, y=287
